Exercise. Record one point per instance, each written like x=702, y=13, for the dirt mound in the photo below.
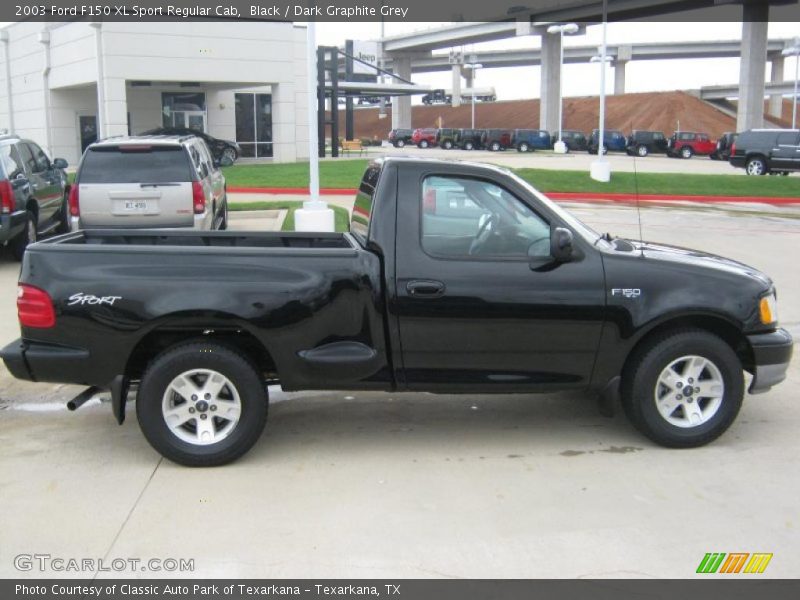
x=660, y=111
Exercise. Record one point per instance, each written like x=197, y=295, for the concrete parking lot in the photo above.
x=414, y=485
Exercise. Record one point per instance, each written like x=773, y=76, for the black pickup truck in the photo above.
x=454, y=277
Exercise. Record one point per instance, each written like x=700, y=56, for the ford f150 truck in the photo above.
x=454, y=277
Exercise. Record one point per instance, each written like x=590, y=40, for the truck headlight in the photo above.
x=768, y=309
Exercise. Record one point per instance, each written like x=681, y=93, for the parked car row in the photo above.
x=153, y=181
x=684, y=144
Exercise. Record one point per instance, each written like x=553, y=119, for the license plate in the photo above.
x=135, y=205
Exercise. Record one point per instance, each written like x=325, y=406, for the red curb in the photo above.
x=563, y=196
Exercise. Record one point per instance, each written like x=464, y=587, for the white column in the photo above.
x=9, y=97
x=750, y=113
x=401, y=105
x=550, y=83
x=776, y=76
x=284, y=146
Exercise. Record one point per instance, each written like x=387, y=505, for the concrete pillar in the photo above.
x=550, y=83
x=401, y=105
x=752, y=70
x=284, y=122
x=775, y=107
x=619, y=77
x=456, y=86
x=115, y=107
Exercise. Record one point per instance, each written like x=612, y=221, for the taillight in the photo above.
x=6, y=197
x=733, y=148
x=74, y=204
x=198, y=198
x=35, y=307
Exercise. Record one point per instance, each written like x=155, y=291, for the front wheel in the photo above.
x=469, y=146
x=424, y=144
x=447, y=145
x=683, y=389
x=494, y=147
x=201, y=404
x=399, y=144
x=687, y=152
x=642, y=151
x=523, y=147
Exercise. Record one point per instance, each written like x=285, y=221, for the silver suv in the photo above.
x=148, y=181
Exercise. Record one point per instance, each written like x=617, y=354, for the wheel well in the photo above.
x=753, y=155
x=715, y=325
x=159, y=340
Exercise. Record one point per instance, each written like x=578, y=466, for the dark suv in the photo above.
x=446, y=138
x=469, y=139
x=641, y=143
x=497, y=139
x=613, y=141
x=32, y=194
x=574, y=139
x=528, y=140
x=400, y=137
x=762, y=151
x=723, y=151
x=225, y=152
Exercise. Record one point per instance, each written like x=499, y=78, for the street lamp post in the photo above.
x=473, y=67
x=794, y=50
x=600, y=169
x=569, y=29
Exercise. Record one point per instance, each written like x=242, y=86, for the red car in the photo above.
x=425, y=137
x=688, y=143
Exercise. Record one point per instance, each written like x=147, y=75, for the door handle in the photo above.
x=425, y=288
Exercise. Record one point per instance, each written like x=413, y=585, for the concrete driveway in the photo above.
x=413, y=485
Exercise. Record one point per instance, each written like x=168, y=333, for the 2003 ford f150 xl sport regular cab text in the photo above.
x=454, y=277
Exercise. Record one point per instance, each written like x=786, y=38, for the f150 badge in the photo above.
x=627, y=292
x=81, y=298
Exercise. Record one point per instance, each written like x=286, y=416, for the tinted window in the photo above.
x=40, y=161
x=135, y=164
x=12, y=163
x=27, y=158
x=787, y=139
x=362, y=208
x=464, y=218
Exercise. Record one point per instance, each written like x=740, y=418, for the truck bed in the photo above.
x=131, y=238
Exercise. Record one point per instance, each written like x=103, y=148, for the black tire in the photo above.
x=223, y=220
x=63, y=215
x=399, y=144
x=642, y=151
x=469, y=146
x=240, y=373
x=756, y=166
x=687, y=152
x=228, y=156
x=523, y=147
x=641, y=378
x=447, y=145
x=495, y=146
x=423, y=144
x=28, y=236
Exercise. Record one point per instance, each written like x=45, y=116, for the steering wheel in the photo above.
x=484, y=233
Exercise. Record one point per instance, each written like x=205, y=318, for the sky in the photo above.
x=584, y=79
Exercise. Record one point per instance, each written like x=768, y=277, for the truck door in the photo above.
x=471, y=311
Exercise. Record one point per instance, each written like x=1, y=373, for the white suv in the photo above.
x=148, y=181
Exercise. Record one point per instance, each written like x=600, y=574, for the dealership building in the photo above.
x=66, y=84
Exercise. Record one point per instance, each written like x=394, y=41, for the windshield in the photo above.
x=586, y=232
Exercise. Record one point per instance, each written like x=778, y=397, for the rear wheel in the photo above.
x=687, y=152
x=27, y=237
x=756, y=166
x=523, y=147
x=683, y=389
x=63, y=215
x=494, y=146
x=399, y=143
x=223, y=215
x=228, y=156
x=424, y=144
x=642, y=151
x=469, y=146
x=201, y=404
x=447, y=145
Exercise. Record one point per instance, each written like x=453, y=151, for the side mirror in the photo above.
x=561, y=244
x=59, y=163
